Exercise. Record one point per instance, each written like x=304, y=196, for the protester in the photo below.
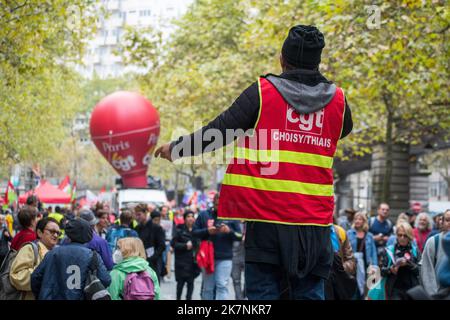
x=59, y=216
x=168, y=226
x=123, y=230
x=32, y=201
x=238, y=265
x=178, y=217
x=433, y=255
x=28, y=219
x=97, y=243
x=222, y=233
x=402, y=217
x=10, y=222
x=160, y=265
x=346, y=221
x=102, y=225
x=283, y=240
x=30, y=256
x=437, y=224
x=422, y=229
x=364, y=249
x=185, y=247
x=443, y=277
x=411, y=217
x=381, y=228
x=63, y=273
x=400, y=269
x=132, y=278
x=5, y=238
x=153, y=237
x=342, y=284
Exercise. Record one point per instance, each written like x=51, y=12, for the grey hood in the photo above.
x=303, y=98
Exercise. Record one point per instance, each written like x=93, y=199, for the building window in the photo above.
x=145, y=13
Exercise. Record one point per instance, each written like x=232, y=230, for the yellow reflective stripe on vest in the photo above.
x=303, y=158
x=313, y=189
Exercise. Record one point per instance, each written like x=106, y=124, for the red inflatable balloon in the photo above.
x=125, y=129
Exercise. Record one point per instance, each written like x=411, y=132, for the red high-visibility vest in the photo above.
x=283, y=172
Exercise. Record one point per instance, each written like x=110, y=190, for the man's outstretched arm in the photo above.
x=242, y=114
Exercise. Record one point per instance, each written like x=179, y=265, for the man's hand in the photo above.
x=394, y=269
x=212, y=230
x=224, y=229
x=164, y=152
x=378, y=237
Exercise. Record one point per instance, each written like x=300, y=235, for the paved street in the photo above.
x=169, y=289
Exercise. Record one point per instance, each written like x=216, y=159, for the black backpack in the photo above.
x=94, y=288
x=7, y=290
x=4, y=245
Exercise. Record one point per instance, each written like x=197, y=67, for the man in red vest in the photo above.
x=281, y=179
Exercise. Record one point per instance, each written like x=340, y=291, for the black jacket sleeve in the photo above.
x=348, y=121
x=242, y=114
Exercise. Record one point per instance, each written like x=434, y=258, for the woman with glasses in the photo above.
x=400, y=269
x=31, y=255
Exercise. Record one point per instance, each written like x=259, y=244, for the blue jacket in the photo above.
x=223, y=243
x=62, y=274
x=370, y=248
x=118, y=232
x=101, y=246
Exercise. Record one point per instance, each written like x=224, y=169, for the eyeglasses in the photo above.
x=53, y=232
x=402, y=236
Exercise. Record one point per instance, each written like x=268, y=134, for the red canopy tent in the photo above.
x=47, y=193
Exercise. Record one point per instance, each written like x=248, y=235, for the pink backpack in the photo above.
x=138, y=286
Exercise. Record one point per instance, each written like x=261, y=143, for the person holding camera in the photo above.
x=222, y=234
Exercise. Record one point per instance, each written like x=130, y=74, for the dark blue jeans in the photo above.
x=267, y=282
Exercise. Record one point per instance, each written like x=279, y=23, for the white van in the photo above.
x=124, y=198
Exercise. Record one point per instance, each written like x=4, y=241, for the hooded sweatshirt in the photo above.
x=129, y=265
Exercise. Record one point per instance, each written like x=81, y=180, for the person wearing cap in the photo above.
x=185, y=247
x=62, y=274
x=97, y=243
x=301, y=115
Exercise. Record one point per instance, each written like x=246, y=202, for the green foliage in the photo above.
x=220, y=47
x=39, y=41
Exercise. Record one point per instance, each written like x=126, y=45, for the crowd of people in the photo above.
x=64, y=254
x=393, y=259
x=50, y=253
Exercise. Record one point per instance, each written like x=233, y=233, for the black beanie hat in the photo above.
x=303, y=47
x=79, y=231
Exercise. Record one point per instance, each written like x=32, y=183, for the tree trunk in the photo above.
x=385, y=195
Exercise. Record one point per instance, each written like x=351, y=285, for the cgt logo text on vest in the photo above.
x=311, y=123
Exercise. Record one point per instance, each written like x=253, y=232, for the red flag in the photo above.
x=65, y=185
x=193, y=199
x=10, y=195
